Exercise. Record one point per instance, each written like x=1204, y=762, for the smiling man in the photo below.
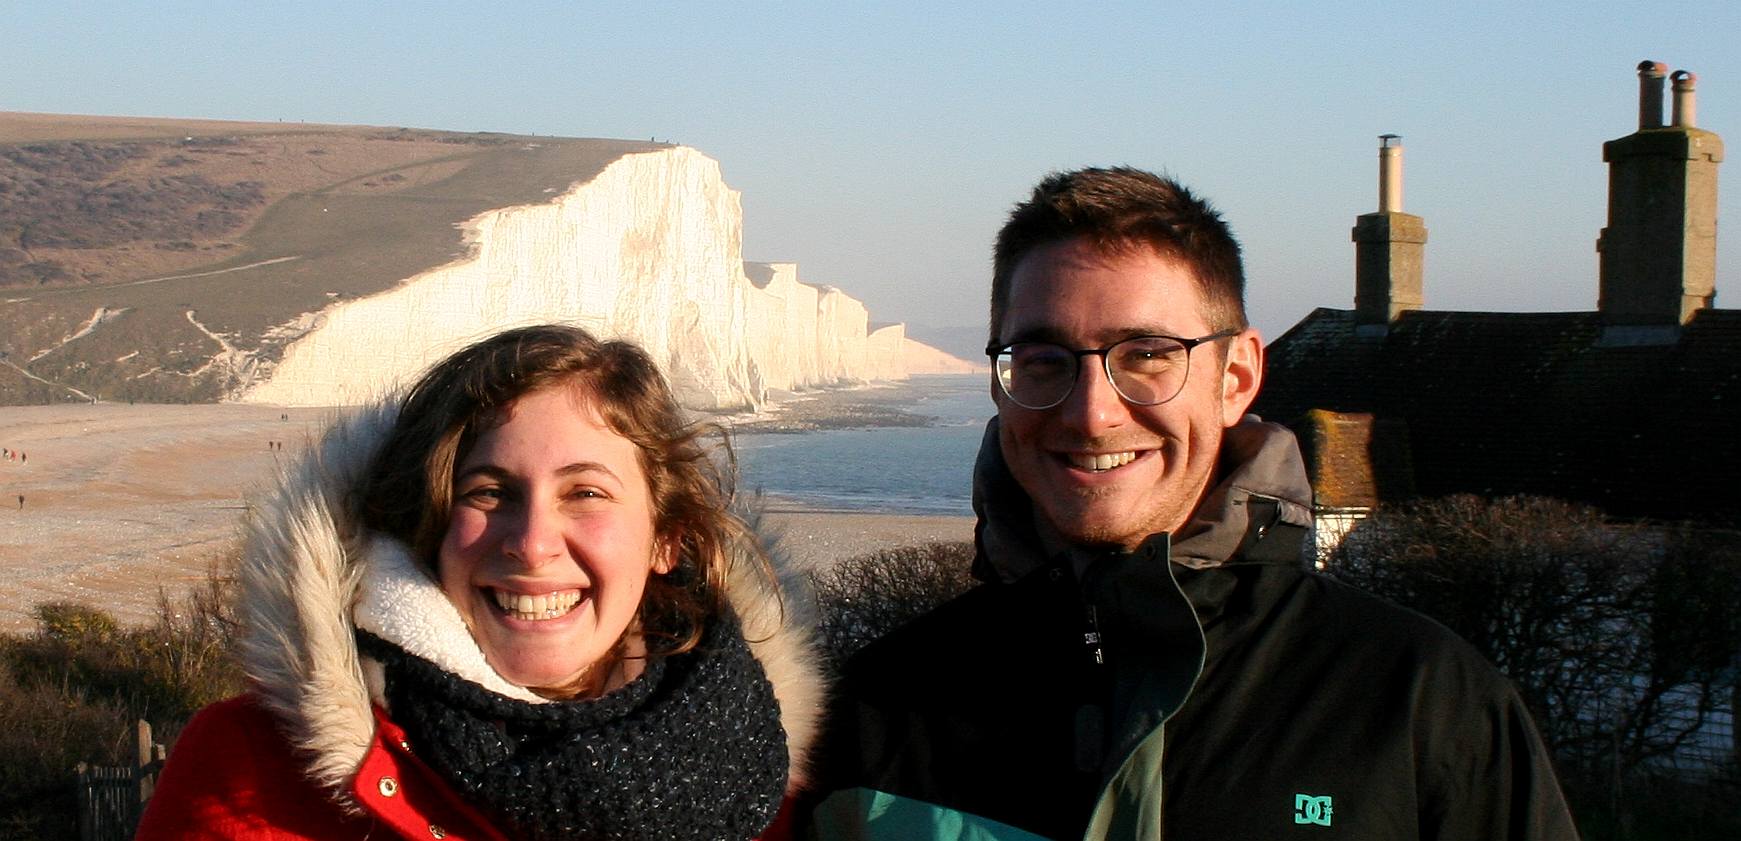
x=1148, y=655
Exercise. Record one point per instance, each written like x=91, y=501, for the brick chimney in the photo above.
x=1388, y=247
x=1658, y=254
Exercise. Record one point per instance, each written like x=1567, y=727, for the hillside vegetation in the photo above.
x=134, y=252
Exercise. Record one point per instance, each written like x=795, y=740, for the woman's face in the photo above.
x=551, y=539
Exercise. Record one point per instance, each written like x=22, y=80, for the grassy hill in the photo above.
x=133, y=251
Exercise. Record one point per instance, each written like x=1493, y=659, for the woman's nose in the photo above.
x=535, y=536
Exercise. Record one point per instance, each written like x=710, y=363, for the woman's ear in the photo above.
x=665, y=554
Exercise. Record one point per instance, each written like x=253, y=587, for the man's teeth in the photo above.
x=1101, y=461
x=533, y=608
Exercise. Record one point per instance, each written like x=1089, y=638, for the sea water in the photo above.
x=909, y=470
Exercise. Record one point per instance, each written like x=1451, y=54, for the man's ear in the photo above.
x=1241, y=376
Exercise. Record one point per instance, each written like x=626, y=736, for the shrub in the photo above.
x=46, y=729
x=863, y=598
x=162, y=672
x=71, y=691
x=1623, y=640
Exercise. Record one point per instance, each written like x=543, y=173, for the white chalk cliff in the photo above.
x=648, y=250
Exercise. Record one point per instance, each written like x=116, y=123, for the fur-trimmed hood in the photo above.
x=311, y=574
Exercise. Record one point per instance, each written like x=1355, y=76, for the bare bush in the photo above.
x=863, y=598
x=46, y=729
x=1622, y=639
x=71, y=691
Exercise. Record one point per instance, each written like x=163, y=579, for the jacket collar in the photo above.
x=1259, y=510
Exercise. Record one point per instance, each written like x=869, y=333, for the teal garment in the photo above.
x=864, y=814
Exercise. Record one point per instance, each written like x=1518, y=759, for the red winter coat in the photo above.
x=308, y=752
x=235, y=777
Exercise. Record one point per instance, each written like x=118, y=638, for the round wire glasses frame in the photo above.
x=1144, y=370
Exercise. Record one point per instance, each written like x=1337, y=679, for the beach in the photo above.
x=122, y=502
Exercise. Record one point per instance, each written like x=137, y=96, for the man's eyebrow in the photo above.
x=1033, y=334
x=1052, y=335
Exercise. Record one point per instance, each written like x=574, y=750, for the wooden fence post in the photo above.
x=142, y=745
x=87, y=809
x=111, y=800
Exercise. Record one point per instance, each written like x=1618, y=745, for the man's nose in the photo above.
x=1093, y=405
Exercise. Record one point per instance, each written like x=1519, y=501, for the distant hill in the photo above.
x=198, y=261
x=155, y=243
x=965, y=342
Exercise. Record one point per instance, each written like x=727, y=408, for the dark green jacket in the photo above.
x=1213, y=689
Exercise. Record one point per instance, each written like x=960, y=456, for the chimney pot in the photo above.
x=1650, y=75
x=1685, y=108
x=1388, y=249
x=1658, y=253
x=1389, y=173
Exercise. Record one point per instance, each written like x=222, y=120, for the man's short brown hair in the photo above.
x=1121, y=208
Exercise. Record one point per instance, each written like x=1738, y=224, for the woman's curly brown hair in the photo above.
x=408, y=492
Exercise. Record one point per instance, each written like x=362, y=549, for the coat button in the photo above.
x=437, y=832
x=388, y=786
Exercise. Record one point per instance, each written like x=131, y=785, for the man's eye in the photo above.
x=1040, y=361
x=1148, y=356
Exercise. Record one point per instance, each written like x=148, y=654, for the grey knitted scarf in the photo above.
x=692, y=749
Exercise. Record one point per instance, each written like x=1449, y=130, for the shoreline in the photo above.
x=121, y=500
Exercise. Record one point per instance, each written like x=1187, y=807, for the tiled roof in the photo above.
x=1534, y=403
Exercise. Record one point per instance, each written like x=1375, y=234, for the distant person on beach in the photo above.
x=512, y=604
x=1148, y=653
x=21, y=502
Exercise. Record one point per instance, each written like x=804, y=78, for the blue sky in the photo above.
x=879, y=145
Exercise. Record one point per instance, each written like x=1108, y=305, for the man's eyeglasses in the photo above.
x=1144, y=370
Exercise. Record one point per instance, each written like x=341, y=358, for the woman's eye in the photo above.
x=484, y=495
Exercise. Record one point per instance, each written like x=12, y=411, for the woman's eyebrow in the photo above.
x=495, y=471
x=585, y=467
x=486, y=469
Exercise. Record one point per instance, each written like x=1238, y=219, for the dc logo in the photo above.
x=1309, y=809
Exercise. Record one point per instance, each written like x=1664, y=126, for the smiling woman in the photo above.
x=550, y=545
x=466, y=597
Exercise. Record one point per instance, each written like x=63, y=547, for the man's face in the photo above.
x=1071, y=294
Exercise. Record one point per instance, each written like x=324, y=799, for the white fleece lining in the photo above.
x=399, y=603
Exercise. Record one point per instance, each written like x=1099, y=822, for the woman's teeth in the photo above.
x=534, y=608
x=1101, y=461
